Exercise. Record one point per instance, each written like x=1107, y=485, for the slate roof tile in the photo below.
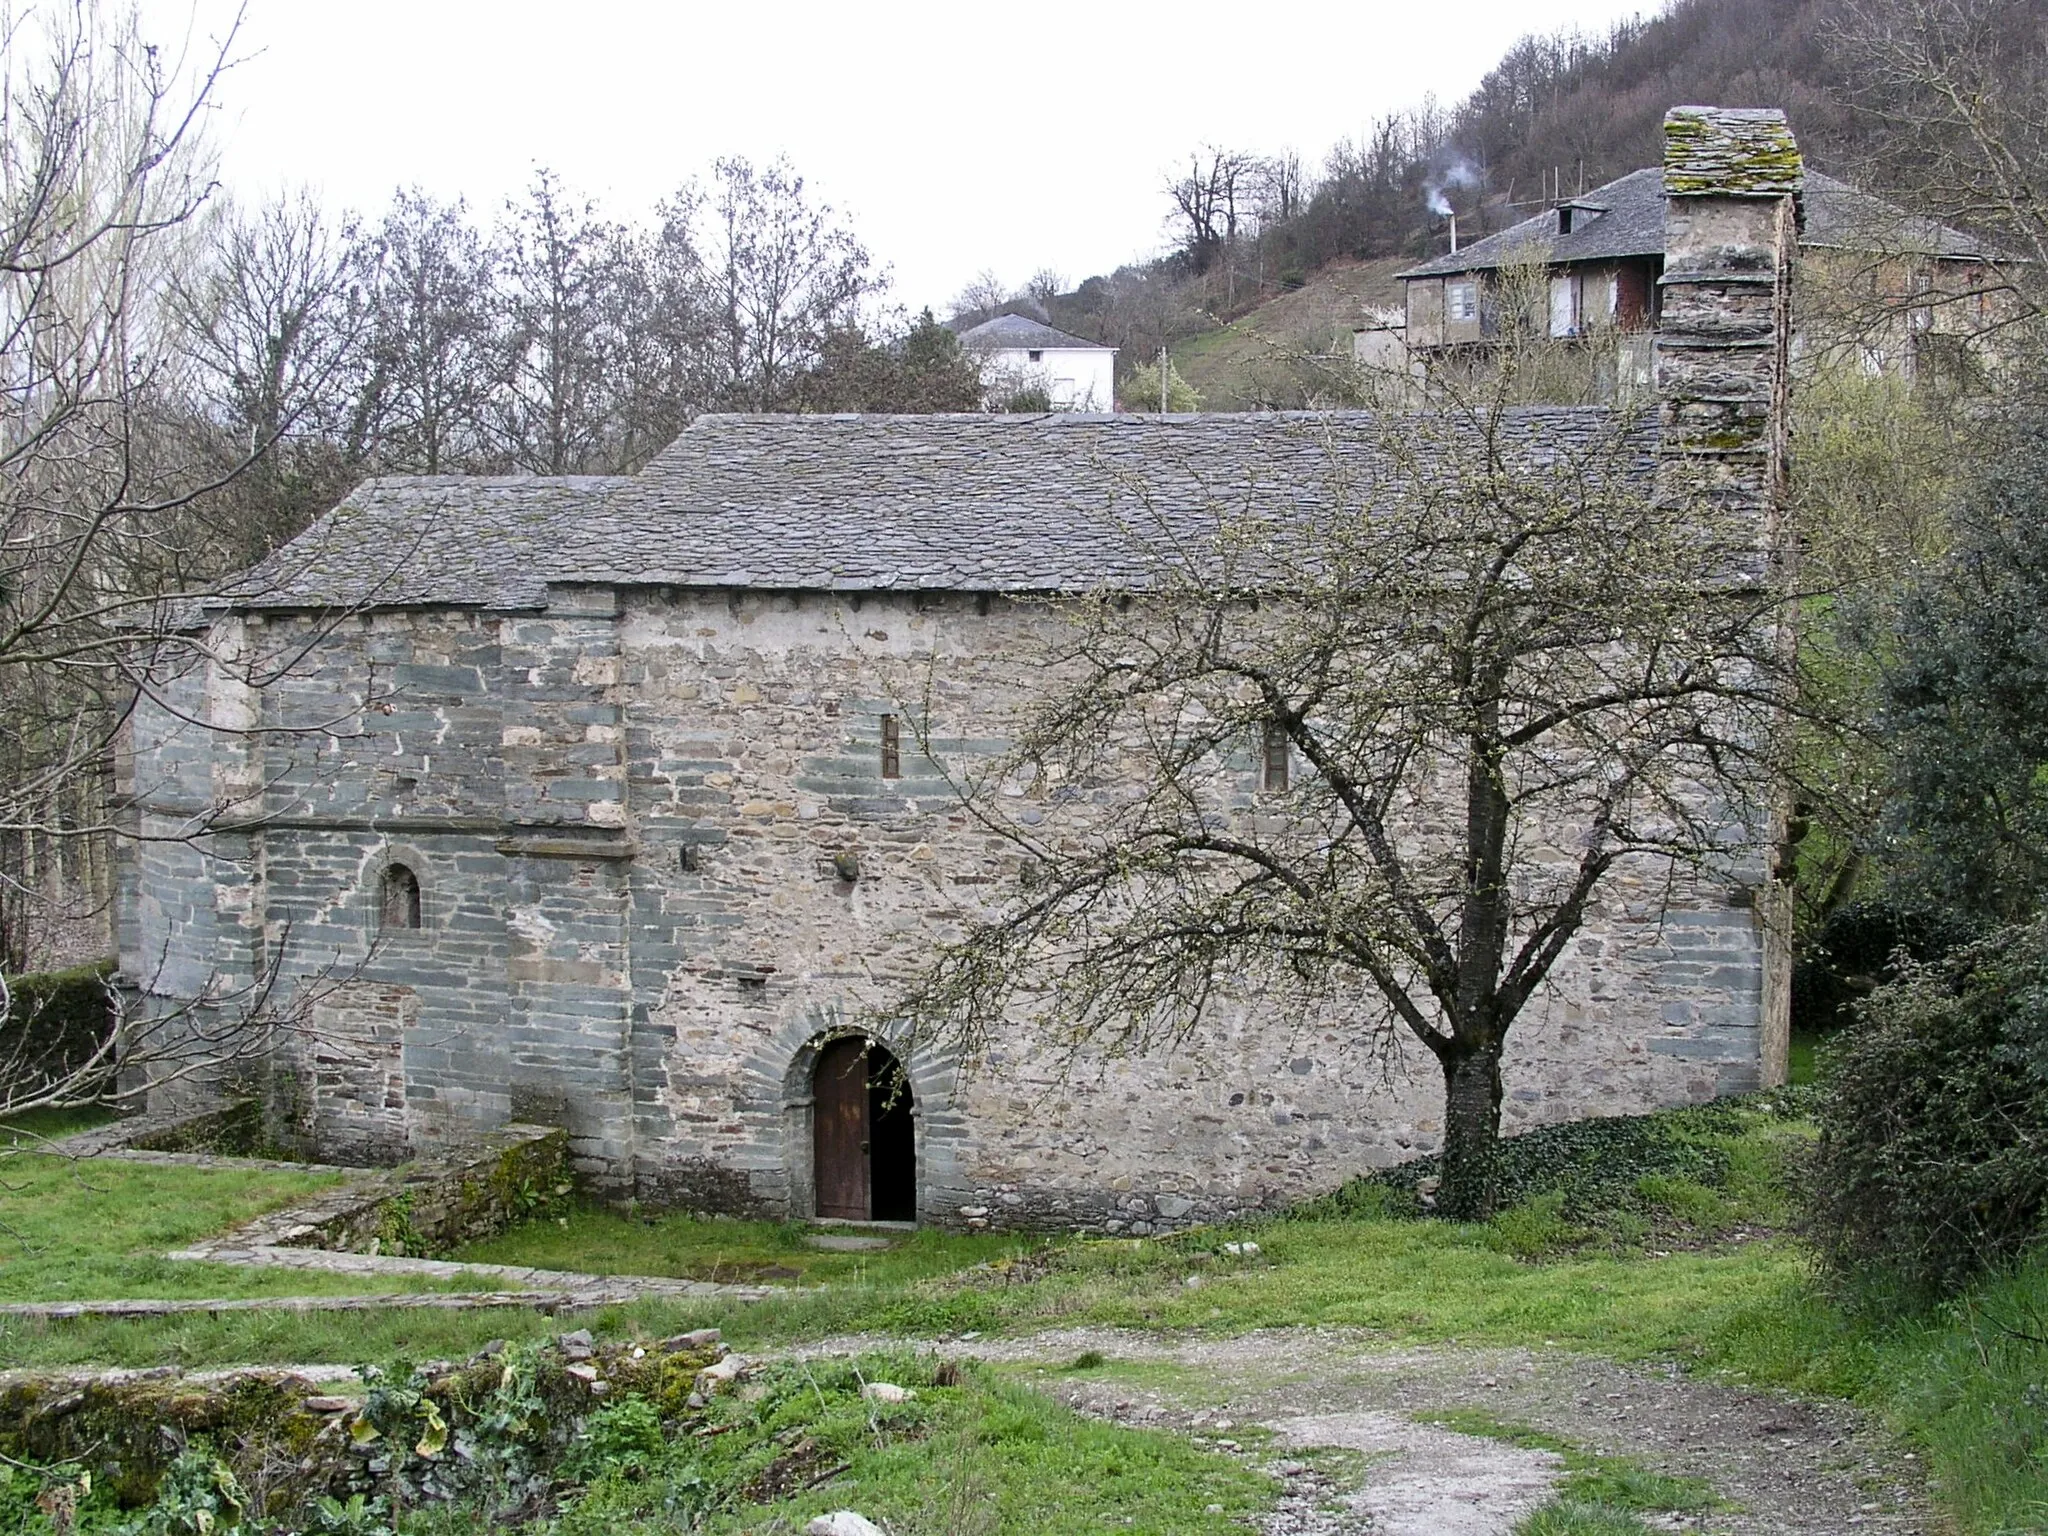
x=1836, y=215
x=1063, y=502
x=1023, y=331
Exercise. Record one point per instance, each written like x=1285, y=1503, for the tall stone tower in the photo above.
x=1732, y=184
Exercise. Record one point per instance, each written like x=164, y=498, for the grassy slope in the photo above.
x=1248, y=363
x=32, y=1128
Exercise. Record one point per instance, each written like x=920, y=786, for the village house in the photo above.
x=595, y=802
x=1602, y=254
x=1021, y=356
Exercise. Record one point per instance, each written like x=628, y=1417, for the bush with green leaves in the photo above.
x=1932, y=1164
x=1966, y=738
x=52, y=1023
x=1859, y=947
x=198, y=1495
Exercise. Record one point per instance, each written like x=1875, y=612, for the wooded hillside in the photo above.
x=1556, y=114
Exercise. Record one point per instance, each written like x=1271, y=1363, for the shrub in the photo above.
x=1581, y=1170
x=54, y=1022
x=1932, y=1164
x=1966, y=737
x=1858, y=949
x=1030, y=400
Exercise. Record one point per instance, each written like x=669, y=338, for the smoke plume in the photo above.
x=1458, y=174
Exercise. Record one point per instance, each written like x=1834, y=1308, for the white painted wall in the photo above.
x=1074, y=378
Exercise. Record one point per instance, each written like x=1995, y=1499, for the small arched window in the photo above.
x=399, y=898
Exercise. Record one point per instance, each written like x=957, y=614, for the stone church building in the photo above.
x=591, y=802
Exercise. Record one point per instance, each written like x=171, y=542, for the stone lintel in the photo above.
x=1732, y=277
x=556, y=847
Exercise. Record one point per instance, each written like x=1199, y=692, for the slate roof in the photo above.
x=429, y=540
x=1837, y=215
x=1023, y=331
x=982, y=503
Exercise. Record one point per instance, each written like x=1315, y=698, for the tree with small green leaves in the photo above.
x=1140, y=391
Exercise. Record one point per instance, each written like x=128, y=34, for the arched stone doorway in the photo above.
x=863, y=1133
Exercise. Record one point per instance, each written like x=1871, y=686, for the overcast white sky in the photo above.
x=957, y=137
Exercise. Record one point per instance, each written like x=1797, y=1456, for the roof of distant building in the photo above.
x=1626, y=218
x=1023, y=331
x=1062, y=502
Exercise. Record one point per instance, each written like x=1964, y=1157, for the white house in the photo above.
x=1018, y=354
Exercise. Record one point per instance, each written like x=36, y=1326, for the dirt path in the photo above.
x=1784, y=1466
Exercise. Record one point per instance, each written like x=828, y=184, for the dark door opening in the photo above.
x=864, y=1135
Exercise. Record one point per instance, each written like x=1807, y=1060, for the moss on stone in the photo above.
x=1736, y=154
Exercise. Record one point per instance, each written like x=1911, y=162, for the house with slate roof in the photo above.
x=1021, y=355
x=1604, y=254
x=625, y=804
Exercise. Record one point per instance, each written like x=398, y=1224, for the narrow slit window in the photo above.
x=892, y=747
x=1276, y=758
x=399, y=891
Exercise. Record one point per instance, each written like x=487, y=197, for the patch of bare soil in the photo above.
x=1783, y=1466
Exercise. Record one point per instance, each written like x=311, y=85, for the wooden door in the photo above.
x=840, y=1131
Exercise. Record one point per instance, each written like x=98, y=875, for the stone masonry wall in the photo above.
x=626, y=822
x=755, y=744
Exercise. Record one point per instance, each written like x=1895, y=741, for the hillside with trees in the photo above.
x=1556, y=115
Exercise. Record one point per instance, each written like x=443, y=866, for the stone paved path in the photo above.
x=1784, y=1466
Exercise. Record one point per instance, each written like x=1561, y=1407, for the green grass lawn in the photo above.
x=96, y=1229
x=36, y=1127
x=1689, y=1269
x=607, y=1243
x=1405, y=1280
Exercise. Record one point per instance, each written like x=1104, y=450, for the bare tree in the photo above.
x=109, y=474
x=102, y=174
x=1281, y=188
x=431, y=373
x=1957, y=91
x=1041, y=289
x=1489, y=681
x=661, y=328
x=984, y=296
x=1209, y=200
x=275, y=318
x=561, y=269
x=782, y=273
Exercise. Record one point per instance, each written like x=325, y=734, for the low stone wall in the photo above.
x=235, y=1128
x=430, y=1206
x=229, y=1128
x=1110, y=1213
x=291, y=1436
